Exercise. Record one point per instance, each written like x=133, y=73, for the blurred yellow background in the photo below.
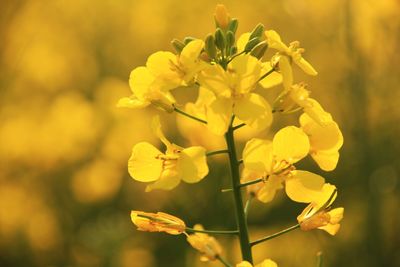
x=65, y=194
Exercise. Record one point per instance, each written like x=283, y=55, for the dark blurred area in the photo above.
x=65, y=193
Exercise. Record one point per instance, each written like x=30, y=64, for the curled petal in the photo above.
x=304, y=187
x=132, y=102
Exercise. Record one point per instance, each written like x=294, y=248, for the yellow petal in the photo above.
x=336, y=215
x=274, y=41
x=132, y=102
x=192, y=164
x=244, y=71
x=322, y=137
x=326, y=160
x=205, y=97
x=242, y=41
x=286, y=71
x=254, y=110
x=143, y=165
x=316, y=112
x=219, y=114
x=273, y=79
x=169, y=180
x=215, y=79
x=156, y=127
x=268, y=191
x=267, y=263
x=257, y=155
x=162, y=65
x=140, y=81
x=331, y=229
x=304, y=186
x=244, y=264
x=306, y=67
x=290, y=144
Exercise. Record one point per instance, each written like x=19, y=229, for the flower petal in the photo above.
x=331, y=229
x=254, y=110
x=169, y=180
x=257, y=155
x=326, y=160
x=192, y=164
x=306, y=66
x=267, y=263
x=273, y=79
x=304, y=186
x=286, y=71
x=242, y=41
x=156, y=127
x=162, y=65
x=219, y=114
x=291, y=144
x=215, y=79
x=143, y=165
x=140, y=81
x=131, y=102
x=268, y=191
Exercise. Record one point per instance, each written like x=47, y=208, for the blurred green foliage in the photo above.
x=65, y=194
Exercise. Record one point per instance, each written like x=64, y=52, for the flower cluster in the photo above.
x=231, y=76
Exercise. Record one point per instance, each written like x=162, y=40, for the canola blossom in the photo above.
x=230, y=76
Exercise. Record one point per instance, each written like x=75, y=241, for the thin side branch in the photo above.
x=274, y=235
x=188, y=115
x=216, y=232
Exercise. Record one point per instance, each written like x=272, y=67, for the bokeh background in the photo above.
x=65, y=194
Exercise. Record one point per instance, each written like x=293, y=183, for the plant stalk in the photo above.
x=240, y=215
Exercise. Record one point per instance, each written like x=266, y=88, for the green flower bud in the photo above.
x=233, y=25
x=188, y=39
x=220, y=40
x=178, y=45
x=251, y=43
x=210, y=46
x=258, y=31
x=259, y=50
x=230, y=39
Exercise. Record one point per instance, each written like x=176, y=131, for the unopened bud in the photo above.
x=220, y=40
x=221, y=16
x=251, y=44
x=230, y=39
x=188, y=39
x=178, y=45
x=258, y=31
x=233, y=25
x=259, y=50
x=210, y=46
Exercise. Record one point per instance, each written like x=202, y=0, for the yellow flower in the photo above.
x=221, y=16
x=273, y=161
x=164, y=71
x=207, y=245
x=157, y=222
x=288, y=54
x=195, y=132
x=265, y=263
x=325, y=141
x=233, y=90
x=273, y=79
x=147, y=90
x=166, y=170
x=318, y=214
x=298, y=95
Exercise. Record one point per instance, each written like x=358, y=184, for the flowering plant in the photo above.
x=230, y=75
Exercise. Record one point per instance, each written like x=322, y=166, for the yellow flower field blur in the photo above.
x=65, y=190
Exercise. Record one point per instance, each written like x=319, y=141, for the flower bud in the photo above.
x=233, y=25
x=220, y=40
x=258, y=31
x=210, y=46
x=221, y=16
x=157, y=222
x=259, y=50
x=178, y=45
x=251, y=44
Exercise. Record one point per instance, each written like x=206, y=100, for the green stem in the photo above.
x=252, y=182
x=240, y=215
x=188, y=115
x=266, y=74
x=239, y=126
x=215, y=232
x=223, y=261
x=275, y=235
x=215, y=152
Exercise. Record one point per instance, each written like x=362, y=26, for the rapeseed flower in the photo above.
x=207, y=245
x=157, y=222
x=265, y=263
x=166, y=170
